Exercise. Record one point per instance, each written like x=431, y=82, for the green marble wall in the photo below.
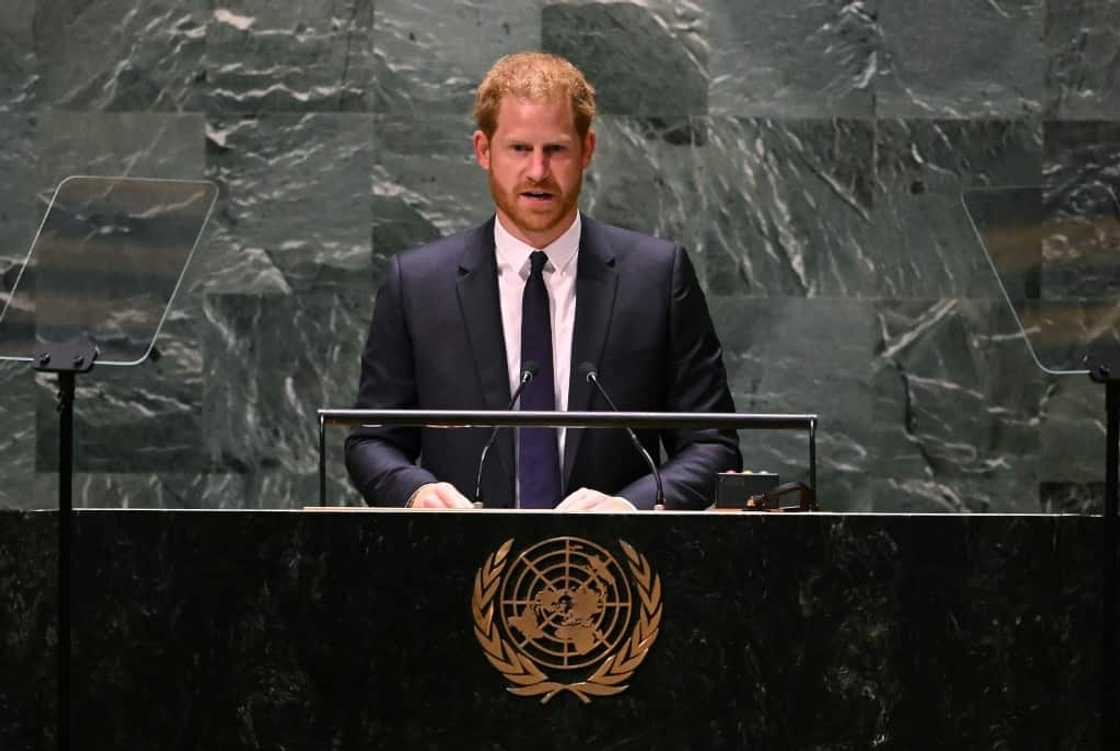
x=810, y=156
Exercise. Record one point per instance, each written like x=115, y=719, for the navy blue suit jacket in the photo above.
x=436, y=342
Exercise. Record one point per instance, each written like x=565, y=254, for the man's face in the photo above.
x=535, y=161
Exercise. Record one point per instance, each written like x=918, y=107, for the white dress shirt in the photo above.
x=560, y=280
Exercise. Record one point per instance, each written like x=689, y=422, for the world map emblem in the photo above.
x=566, y=615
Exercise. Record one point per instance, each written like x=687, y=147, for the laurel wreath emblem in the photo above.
x=525, y=675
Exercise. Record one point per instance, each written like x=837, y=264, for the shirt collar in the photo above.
x=514, y=254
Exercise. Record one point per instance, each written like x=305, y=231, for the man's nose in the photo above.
x=538, y=166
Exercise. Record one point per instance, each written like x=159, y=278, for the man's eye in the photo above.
x=521, y=147
x=555, y=148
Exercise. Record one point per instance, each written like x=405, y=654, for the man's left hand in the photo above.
x=586, y=499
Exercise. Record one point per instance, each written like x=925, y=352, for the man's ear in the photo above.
x=482, y=150
x=588, y=147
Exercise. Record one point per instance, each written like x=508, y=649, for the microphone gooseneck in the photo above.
x=587, y=370
x=528, y=373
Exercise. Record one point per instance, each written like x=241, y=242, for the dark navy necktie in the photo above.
x=538, y=460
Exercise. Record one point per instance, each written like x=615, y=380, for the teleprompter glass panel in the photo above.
x=1056, y=253
x=106, y=263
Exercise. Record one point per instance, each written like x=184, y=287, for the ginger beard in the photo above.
x=534, y=161
x=534, y=210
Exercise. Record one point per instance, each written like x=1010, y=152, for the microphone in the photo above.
x=587, y=370
x=528, y=373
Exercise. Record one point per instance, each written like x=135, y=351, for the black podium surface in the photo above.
x=355, y=630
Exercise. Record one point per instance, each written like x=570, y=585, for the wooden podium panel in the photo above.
x=293, y=630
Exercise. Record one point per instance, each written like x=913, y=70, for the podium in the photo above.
x=354, y=630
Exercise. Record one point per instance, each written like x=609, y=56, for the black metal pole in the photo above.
x=1110, y=664
x=813, y=458
x=65, y=519
x=1112, y=447
x=322, y=461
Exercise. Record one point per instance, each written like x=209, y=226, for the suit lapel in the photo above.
x=482, y=315
x=596, y=283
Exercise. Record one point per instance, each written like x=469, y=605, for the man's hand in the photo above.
x=438, y=495
x=586, y=499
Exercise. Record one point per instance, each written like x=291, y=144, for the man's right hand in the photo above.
x=438, y=495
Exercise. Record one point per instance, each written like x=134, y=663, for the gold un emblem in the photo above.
x=567, y=605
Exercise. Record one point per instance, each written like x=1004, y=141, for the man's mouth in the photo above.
x=537, y=195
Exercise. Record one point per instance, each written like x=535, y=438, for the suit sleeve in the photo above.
x=696, y=382
x=381, y=461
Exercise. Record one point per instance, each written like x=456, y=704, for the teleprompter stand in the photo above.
x=95, y=288
x=1054, y=252
x=1107, y=373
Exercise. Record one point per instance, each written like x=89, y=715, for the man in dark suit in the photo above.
x=541, y=287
